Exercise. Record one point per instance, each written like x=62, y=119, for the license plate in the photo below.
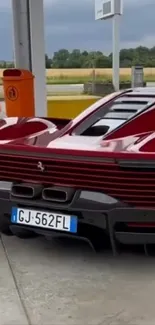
x=43, y=219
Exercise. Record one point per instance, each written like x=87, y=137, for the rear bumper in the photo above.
x=5, y=203
x=119, y=229
x=110, y=218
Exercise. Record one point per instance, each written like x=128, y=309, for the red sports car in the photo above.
x=88, y=178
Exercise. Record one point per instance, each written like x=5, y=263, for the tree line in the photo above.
x=83, y=59
x=76, y=59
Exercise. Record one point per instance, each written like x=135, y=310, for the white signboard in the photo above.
x=105, y=9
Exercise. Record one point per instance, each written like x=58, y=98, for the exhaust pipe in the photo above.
x=57, y=194
x=26, y=190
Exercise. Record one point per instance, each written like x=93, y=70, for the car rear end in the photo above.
x=81, y=196
x=46, y=198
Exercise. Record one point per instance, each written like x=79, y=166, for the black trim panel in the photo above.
x=92, y=215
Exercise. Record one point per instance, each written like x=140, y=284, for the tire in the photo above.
x=5, y=225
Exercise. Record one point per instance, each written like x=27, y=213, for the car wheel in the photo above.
x=5, y=224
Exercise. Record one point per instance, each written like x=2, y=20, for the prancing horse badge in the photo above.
x=40, y=166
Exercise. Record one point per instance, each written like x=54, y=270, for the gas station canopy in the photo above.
x=29, y=46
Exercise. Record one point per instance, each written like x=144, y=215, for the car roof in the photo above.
x=150, y=91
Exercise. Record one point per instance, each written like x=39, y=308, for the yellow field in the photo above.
x=87, y=72
x=77, y=73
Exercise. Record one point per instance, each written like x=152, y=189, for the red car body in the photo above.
x=98, y=168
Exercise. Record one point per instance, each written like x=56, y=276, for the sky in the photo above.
x=72, y=25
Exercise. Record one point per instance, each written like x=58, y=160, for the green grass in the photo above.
x=80, y=80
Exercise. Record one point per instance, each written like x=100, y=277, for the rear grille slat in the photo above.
x=118, y=186
x=77, y=165
x=102, y=173
x=104, y=180
x=134, y=187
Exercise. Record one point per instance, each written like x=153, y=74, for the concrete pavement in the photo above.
x=60, y=89
x=56, y=89
x=150, y=84
x=12, y=311
x=70, y=89
x=62, y=283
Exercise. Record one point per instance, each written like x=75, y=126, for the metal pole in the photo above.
x=116, y=50
x=29, y=46
x=22, y=53
x=36, y=19
x=93, y=75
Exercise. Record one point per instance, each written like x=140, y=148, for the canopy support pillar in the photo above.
x=29, y=46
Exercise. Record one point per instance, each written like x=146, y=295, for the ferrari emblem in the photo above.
x=40, y=166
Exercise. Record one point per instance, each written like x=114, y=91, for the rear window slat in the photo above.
x=127, y=106
x=115, y=115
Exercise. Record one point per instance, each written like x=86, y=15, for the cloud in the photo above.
x=71, y=24
x=74, y=26
x=5, y=5
x=147, y=41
